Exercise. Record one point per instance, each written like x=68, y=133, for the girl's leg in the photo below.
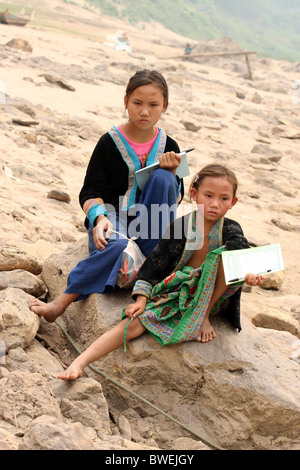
x=207, y=332
x=94, y=274
x=108, y=342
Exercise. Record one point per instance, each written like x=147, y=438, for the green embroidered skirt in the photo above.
x=177, y=305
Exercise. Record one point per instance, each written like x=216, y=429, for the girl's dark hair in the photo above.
x=216, y=171
x=147, y=77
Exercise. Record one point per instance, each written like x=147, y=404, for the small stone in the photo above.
x=190, y=126
x=31, y=138
x=273, y=281
x=59, y=195
x=256, y=98
x=25, y=122
x=240, y=95
x=22, y=44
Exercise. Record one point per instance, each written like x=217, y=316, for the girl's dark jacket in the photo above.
x=107, y=173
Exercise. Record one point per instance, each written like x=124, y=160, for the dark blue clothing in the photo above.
x=156, y=208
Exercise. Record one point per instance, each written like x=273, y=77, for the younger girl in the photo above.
x=113, y=204
x=182, y=282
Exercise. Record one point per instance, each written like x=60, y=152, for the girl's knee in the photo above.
x=135, y=329
x=163, y=177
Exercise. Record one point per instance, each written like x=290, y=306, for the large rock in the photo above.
x=18, y=324
x=21, y=279
x=277, y=320
x=230, y=390
x=48, y=433
x=83, y=401
x=36, y=358
x=13, y=258
x=8, y=441
x=24, y=396
x=238, y=391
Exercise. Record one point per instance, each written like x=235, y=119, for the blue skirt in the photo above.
x=155, y=209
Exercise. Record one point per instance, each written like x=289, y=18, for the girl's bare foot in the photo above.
x=206, y=333
x=49, y=311
x=53, y=309
x=74, y=371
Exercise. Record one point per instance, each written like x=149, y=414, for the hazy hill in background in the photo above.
x=271, y=27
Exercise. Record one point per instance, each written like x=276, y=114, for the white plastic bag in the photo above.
x=132, y=260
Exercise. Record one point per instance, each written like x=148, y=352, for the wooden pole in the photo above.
x=249, y=67
x=218, y=54
x=212, y=54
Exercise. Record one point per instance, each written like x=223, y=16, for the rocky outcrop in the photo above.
x=240, y=391
x=37, y=410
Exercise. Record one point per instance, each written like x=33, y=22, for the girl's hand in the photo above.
x=254, y=279
x=170, y=161
x=102, y=232
x=134, y=310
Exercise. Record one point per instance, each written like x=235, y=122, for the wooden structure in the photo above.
x=220, y=54
x=9, y=18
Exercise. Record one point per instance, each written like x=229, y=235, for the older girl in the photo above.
x=114, y=206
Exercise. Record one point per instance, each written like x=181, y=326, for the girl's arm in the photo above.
x=106, y=178
x=136, y=309
x=102, y=231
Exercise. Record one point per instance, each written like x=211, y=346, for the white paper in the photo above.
x=259, y=260
x=142, y=175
